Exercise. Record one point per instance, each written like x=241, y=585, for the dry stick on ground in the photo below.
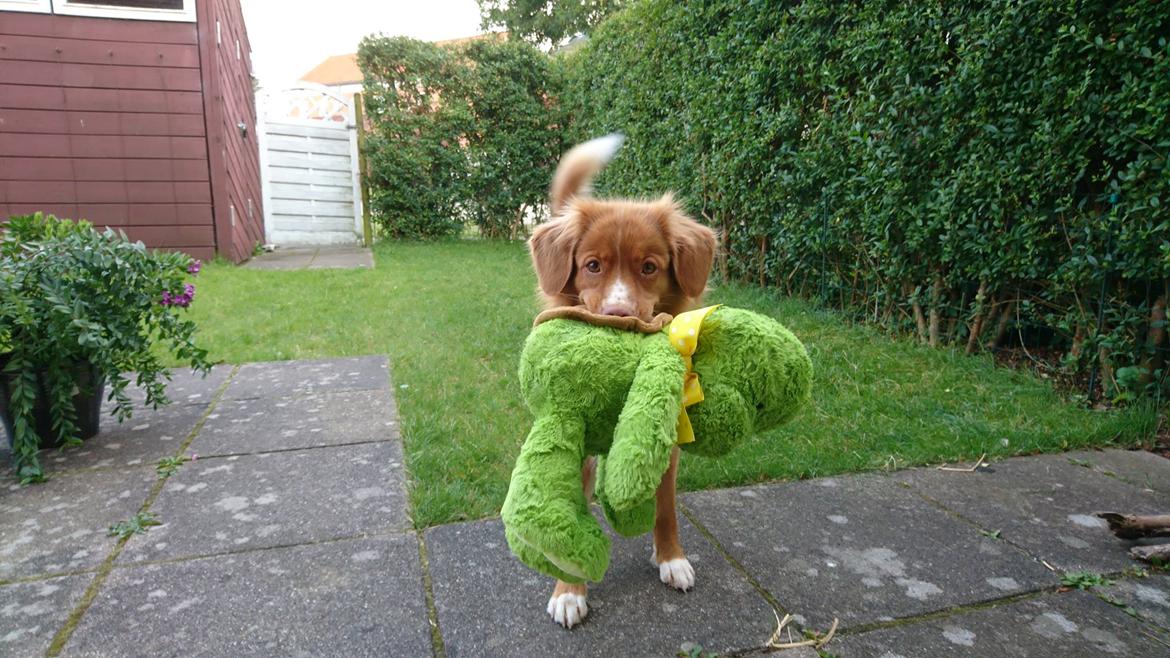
x=1156, y=553
x=1130, y=526
x=965, y=470
x=816, y=643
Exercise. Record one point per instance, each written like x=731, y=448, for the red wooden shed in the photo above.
x=134, y=114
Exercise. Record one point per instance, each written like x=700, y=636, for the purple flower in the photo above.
x=194, y=267
x=183, y=300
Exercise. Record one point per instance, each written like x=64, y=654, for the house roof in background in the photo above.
x=343, y=69
x=335, y=70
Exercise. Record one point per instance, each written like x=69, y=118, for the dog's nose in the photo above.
x=620, y=310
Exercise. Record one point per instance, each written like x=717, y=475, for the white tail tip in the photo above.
x=602, y=149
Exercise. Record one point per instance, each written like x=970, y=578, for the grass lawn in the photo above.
x=453, y=316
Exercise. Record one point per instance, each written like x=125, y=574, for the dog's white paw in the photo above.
x=677, y=573
x=568, y=609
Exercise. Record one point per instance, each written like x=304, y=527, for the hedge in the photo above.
x=462, y=134
x=980, y=174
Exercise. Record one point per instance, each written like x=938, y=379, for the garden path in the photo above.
x=313, y=258
x=289, y=534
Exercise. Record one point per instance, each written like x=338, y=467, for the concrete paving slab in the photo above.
x=282, y=259
x=185, y=387
x=60, y=525
x=1149, y=597
x=1138, y=467
x=190, y=394
x=264, y=424
x=860, y=549
x=289, y=378
x=799, y=652
x=31, y=613
x=235, y=503
x=347, y=598
x=1044, y=504
x=489, y=604
x=343, y=258
x=299, y=258
x=1052, y=626
x=142, y=440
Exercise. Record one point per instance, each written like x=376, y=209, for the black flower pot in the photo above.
x=87, y=403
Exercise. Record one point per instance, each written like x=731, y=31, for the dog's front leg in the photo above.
x=674, y=568
x=568, y=604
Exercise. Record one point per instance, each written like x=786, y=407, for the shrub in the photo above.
x=464, y=133
x=70, y=295
x=516, y=137
x=417, y=172
x=974, y=173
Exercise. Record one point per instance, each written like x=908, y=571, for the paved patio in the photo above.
x=313, y=258
x=289, y=534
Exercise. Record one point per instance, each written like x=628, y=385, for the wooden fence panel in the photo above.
x=309, y=190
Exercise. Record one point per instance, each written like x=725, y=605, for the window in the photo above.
x=141, y=4
x=39, y=6
x=149, y=10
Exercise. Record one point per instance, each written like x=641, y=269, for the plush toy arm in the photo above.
x=637, y=520
x=546, y=517
x=647, y=428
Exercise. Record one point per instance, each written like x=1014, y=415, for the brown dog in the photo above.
x=626, y=258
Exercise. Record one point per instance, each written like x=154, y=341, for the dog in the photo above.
x=624, y=258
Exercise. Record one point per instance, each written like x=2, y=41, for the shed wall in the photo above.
x=103, y=119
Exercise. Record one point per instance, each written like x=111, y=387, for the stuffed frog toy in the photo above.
x=629, y=391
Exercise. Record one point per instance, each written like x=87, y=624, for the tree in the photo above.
x=546, y=21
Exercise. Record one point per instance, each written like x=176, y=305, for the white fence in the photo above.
x=310, y=180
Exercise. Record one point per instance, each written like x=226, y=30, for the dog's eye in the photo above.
x=593, y=265
x=649, y=268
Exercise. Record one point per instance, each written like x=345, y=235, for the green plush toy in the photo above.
x=614, y=387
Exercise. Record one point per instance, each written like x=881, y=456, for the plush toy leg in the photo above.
x=635, y=521
x=546, y=517
x=646, y=431
x=535, y=560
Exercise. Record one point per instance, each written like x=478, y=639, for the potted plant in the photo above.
x=80, y=310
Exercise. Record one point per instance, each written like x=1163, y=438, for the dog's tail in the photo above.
x=579, y=166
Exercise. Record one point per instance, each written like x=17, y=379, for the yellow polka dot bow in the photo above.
x=684, y=336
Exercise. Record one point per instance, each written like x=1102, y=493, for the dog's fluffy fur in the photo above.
x=617, y=257
x=628, y=258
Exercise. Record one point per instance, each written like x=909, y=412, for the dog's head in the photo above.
x=626, y=258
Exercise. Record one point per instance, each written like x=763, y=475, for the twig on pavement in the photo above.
x=974, y=468
x=781, y=625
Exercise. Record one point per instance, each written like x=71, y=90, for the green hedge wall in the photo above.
x=979, y=173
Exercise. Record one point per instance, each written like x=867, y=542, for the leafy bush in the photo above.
x=463, y=133
x=974, y=173
x=517, y=137
x=417, y=172
x=70, y=295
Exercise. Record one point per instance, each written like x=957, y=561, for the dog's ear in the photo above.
x=692, y=247
x=552, y=246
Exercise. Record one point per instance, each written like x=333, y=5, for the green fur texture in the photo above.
x=604, y=391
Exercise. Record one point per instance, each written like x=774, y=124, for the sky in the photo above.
x=290, y=37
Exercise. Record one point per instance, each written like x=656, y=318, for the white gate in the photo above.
x=309, y=173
